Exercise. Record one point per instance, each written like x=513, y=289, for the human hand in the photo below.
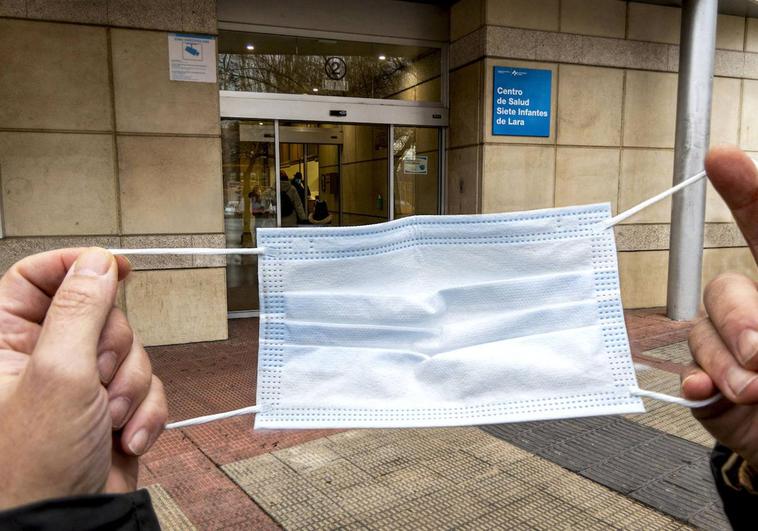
x=78, y=401
x=725, y=344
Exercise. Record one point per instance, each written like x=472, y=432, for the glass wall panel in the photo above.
x=256, y=62
x=250, y=201
x=416, y=171
x=364, y=174
x=310, y=164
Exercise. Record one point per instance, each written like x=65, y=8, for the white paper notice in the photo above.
x=192, y=57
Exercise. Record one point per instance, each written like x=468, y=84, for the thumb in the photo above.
x=67, y=345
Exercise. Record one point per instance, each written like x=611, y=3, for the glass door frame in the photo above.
x=377, y=112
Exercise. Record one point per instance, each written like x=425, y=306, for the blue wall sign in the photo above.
x=521, y=101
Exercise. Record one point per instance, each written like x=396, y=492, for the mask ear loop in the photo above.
x=188, y=250
x=662, y=397
x=198, y=251
x=210, y=418
x=610, y=222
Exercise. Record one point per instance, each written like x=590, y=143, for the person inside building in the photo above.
x=79, y=403
x=320, y=214
x=289, y=201
x=302, y=189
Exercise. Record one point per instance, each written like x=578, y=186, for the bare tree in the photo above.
x=297, y=74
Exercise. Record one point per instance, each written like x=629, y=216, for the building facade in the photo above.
x=385, y=109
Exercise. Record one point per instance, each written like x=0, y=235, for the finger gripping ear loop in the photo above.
x=692, y=404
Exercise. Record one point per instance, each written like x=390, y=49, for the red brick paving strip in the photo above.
x=201, y=379
x=203, y=492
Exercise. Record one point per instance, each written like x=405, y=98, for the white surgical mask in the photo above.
x=442, y=321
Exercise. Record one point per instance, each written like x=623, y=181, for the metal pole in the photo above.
x=693, y=118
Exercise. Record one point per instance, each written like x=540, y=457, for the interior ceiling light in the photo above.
x=249, y=47
x=382, y=57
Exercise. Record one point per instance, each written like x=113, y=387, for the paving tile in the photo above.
x=414, y=481
x=367, y=498
x=192, y=480
x=678, y=352
x=308, y=456
x=670, y=498
x=632, y=516
x=498, y=489
x=316, y=511
x=336, y=475
x=355, y=442
x=710, y=518
x=435, y=511
x=540, y=510
x=382, y=460
x=668, y=418
x=595, y=446
x=650, y=461
x=497, y=452
x=168, y=512
x=458, y=467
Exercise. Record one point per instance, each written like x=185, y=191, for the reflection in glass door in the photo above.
x=250, y=201
x=416, y=171
x=364, y=174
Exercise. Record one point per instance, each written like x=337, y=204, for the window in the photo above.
x=256, y=62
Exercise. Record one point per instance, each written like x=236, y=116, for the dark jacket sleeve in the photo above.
x=116, y=512
x=739, y=500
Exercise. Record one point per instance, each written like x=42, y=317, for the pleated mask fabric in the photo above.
x=443, y=321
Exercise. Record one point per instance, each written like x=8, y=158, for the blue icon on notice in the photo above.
x=190, y=50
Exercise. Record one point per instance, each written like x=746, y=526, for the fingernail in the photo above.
x=689, y=377
x=747, y=345
x=119, y=408
x=738, y=379
x=93, y=262
x=106, y=365
x=138, y=443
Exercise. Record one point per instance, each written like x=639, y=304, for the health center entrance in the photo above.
x=325, y=130
x=279, y=173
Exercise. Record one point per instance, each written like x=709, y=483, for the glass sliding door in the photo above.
x=319, y=174
x=365, y=190
x=250, y=201
x=310, y=159
x=416, y=170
